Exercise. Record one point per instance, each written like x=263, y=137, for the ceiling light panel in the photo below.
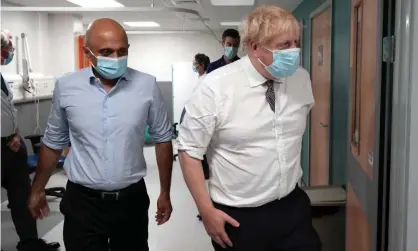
x=97, y=3
x=232, y=2
x=230, y=23
x=142, y=24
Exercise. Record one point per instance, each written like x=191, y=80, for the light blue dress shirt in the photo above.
x=106, y=130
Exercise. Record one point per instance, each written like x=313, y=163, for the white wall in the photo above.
x=51, y=39
x=62, y=31
x=52, y=45
x=155, y=54
x=35, y=25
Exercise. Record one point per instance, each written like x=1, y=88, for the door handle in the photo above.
x=323, y=125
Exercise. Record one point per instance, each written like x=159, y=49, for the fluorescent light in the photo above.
x=142, y=24
x=233, y=2
x=230, y=23
x=136, y=32
x=96, y=3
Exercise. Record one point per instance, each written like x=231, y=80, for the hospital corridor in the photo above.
x=209, y=125
x=183, y=232
x=164, y=237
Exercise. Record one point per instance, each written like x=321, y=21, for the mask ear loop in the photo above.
x=93, y=56
x=255, y=47
x=91, y=52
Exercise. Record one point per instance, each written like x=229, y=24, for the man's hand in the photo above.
x=14, y=144
x=164, y=209
x=38, y=205
x=214, y=221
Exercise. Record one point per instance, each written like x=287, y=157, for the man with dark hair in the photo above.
x=14, y=169
x=230, y=43
x=200, y=64
x=106, y=202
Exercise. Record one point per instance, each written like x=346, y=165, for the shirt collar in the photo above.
x=126, y=76
x=222, y=59
x=254, y=77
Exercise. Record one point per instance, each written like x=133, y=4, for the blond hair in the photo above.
x=267, y=22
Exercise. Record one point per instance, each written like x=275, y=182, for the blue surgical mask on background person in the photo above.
x=231, y=52
x=194, y=68
x=285, y=62
x=111, y=68
x=9, y=58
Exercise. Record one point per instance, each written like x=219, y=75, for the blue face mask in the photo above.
x=285, y=62
x=231, y=52
x=194, y=68
x=9, y=58
x=111, y=68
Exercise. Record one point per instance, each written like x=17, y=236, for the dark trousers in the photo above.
x=93, y=222
x=281, y=225
x=15, y=179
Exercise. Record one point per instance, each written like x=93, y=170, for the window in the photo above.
x=356, y=81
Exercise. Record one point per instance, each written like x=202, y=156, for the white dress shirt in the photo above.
x=203, y=76
x=253, y=153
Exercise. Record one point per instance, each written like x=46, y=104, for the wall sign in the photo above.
x=320, y=55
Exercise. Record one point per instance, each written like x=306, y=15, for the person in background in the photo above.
x=249, y=118
x=104, y=110
x=230, y=43
x=14, y=168
x=200, y=64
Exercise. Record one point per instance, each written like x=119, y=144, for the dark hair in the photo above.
x=230, y=33
x=202, y=59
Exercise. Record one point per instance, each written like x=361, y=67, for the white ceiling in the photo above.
x=168, y=21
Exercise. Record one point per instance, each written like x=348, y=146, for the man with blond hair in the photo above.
x=249, y=118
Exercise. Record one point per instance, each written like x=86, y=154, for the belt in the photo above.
x=107, y=195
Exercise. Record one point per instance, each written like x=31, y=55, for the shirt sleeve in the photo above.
x=311, y=100
x=160, y=127
x=199, y=122
x=57, y=134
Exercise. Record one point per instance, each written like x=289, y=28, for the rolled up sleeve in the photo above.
x=198, y=124
x=160, y=127
x=56, y=134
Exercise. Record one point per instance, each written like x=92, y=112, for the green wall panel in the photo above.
x=340, y=84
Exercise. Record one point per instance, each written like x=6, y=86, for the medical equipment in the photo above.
x=28, y=86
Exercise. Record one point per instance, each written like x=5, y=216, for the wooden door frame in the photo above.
x=327, y=4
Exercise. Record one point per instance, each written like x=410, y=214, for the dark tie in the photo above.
x=4, y=87
x=270, y=95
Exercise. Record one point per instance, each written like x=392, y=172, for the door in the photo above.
x=366, y=129
x=321, y=84
x=184, y=82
